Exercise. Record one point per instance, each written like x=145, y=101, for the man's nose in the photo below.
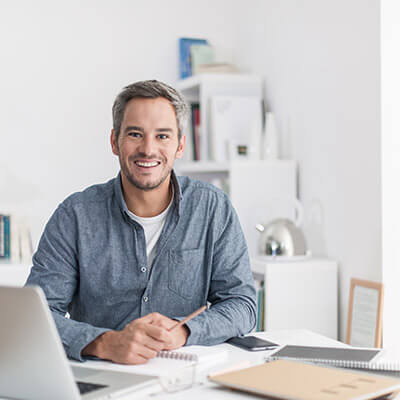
x=147, y=145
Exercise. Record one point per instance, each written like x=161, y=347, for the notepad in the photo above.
x=168, y=361
x=346, y=357
x=293, y=380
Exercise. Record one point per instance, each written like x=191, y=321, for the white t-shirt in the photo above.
x=152, y=230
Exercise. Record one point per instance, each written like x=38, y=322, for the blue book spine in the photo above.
x=185, y=66
x=7, y=247
x=1, y=236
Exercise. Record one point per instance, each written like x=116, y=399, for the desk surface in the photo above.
x=241, y=358
x=237, y=356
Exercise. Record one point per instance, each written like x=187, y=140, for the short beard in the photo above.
x=140, y=186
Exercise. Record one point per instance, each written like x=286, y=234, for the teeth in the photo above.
x=146, y=164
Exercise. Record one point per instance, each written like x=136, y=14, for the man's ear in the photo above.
x=181, y=147
x=114, y=143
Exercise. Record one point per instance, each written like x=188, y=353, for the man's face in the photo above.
x=148, y=142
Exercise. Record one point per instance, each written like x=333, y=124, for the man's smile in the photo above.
x=147, y=164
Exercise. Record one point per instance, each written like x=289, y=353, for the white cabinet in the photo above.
x=13, y=274
x=259, y=190
x=299, y=294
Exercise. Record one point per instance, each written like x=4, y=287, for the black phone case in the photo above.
x=248, y=344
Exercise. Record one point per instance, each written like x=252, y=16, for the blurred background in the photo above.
x=63, y=63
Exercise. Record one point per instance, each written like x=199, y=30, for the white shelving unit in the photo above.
x=299, y=293
x=200, y=88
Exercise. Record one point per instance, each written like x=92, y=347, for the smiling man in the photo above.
x=129, y=258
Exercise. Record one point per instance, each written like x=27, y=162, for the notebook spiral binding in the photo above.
x=176, y=355
x=389, y=366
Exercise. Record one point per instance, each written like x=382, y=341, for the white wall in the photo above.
x=62, y=64
x=320, y=60
x=391, y=170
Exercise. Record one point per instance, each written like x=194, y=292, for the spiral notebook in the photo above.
x=167, y=361
x=346, y=357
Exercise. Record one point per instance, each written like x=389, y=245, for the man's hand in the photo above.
x=178, y=336
x=139, y=341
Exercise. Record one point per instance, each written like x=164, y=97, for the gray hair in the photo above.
x=150, y=89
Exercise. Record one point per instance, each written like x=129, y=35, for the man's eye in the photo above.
x=135, y=134
x=162, y=136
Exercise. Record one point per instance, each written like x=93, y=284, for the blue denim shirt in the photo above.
x=91, y=262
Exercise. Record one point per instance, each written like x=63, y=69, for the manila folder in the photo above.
x=295, y=380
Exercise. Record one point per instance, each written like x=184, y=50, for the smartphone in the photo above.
x=252, y=343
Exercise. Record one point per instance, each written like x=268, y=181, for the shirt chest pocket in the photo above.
x=185, y=272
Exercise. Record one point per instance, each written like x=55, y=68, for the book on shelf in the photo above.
x=200, y=55
x=222, y=68
x=2, y=237
x=195, y=130
x=15, y=239
x=185, y=65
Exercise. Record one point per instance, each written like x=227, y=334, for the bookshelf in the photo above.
x=200, y=88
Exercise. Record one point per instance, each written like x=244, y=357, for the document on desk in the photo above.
x=167, y=361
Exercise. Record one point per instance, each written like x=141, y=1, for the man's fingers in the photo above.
x=159, y=320
x=149, y=318
x=158, y=333
x=165, y=323
x=152, y=343
x=144, y=351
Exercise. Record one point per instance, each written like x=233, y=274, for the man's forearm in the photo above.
x=231, y=317
x=99, y=347
x=75, y=335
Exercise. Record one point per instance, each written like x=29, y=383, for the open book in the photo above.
x=167, y=361
x=346, y=357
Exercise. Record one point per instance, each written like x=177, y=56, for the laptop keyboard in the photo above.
x=85, y=387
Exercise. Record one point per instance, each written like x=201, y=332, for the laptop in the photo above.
x=33, y=363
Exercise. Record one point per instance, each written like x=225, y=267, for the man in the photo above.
x=129, y=258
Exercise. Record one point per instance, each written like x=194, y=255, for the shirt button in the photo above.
x=143, y=269
x=145, y=299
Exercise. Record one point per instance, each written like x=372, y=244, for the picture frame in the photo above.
x=364, y=323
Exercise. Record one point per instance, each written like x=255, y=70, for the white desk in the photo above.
x=237, y=356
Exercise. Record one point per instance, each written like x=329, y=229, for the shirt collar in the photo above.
x=121, y=201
